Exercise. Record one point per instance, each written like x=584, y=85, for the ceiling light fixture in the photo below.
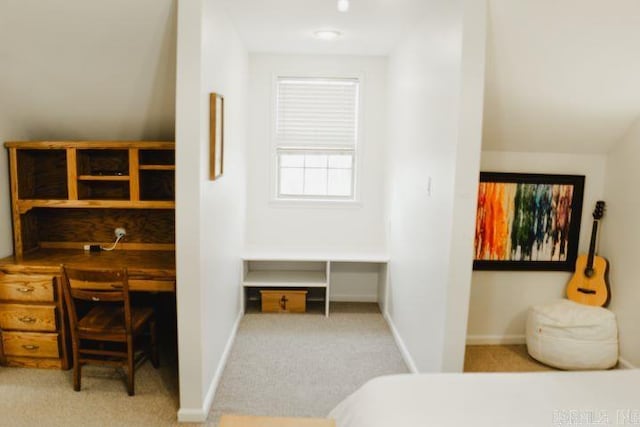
x=343, y=5
x=327, y=34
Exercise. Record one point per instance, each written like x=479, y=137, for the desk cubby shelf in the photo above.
x=132, y=183
x=286, y=279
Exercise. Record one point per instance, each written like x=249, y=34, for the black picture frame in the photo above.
x=521, y=221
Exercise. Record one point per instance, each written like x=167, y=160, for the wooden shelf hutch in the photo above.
x=68, y=194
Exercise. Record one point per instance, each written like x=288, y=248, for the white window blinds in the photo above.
x=317, y=112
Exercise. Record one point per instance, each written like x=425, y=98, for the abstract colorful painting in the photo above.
x=527, y=221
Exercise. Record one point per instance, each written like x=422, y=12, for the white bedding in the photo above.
x=495, y=399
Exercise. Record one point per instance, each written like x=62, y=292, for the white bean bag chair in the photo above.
x=568, y=335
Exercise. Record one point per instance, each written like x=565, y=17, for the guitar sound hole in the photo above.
x=587, y=291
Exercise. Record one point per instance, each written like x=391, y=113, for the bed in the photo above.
x=494, y=399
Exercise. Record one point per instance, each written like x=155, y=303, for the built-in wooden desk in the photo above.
x=32, y=313
x=151, y=271
x=66, y=195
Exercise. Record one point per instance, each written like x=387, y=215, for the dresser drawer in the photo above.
x=22, y=287
x=30, y=344
x=28, y=317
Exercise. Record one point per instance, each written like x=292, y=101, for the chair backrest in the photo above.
x=95, y=287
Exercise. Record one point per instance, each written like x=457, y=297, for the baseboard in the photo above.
x=495, y=339
x=406, y=356
x=624, y=364
x=353, y=298
x=200, y=415
x=208, y=401
x=191, y=415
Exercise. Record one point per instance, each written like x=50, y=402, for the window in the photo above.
x=316, y=133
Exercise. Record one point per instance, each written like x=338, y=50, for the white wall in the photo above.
x=500, y=299
x=619, y=237
x=466, y=183
x=354, y=281
x=286, y=226
x=431, y=142
x=73, y=69
x=209, y=214
x=225, y=71
x=189, y=177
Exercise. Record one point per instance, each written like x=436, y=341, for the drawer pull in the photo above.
x=27, y=319
x=25, y=290
x=95, y=299
x=114, y=286
x=30, y=347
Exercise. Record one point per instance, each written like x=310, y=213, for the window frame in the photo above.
x=320, y=151
x=315, y=200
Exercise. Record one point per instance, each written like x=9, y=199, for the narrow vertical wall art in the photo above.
x=216, y=135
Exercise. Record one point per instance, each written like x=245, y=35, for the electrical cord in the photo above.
x=114, y=244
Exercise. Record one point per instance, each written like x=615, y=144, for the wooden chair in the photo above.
x=104, y=325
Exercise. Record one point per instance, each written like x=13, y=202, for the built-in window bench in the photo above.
x=354, y=276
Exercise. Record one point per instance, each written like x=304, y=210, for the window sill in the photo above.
x=315, y=203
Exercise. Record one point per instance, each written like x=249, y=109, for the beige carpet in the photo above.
x=501, y=358
x=302, y=365
x=286, y=365
x=36, y=397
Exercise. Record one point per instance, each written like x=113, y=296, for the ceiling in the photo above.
x=77, y=69
x=371, y=27
x=562, y=76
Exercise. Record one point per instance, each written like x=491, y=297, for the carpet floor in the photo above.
x=501, y=358
x=42, y=397
x=280, y=365
x=304, y=364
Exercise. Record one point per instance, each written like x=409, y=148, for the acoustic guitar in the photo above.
x=590, y=282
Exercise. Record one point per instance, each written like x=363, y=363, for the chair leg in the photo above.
x=155, y=360
x=131, y=367
x=77, y=368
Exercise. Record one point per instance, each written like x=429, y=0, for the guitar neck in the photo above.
x=592, y=245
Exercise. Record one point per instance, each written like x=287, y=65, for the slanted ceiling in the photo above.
x=562, y=76
x=78, y=69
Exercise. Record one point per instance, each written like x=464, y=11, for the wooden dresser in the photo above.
x=68, y=195
x=32, y=320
